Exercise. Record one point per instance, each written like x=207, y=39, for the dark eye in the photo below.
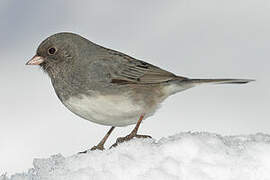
x=51, y=51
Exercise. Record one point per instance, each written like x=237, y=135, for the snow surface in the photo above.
x=184, y=156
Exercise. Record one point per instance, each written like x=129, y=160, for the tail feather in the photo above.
x=186, y=83
x=220, y=81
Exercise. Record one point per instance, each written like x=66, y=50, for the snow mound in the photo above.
x=187, y=156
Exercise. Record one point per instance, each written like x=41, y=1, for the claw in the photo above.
x=127, y=138
x=101, y=148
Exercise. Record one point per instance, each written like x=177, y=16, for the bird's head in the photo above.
x=56, y=51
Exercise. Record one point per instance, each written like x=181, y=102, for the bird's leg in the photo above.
x=100, y=145
x=132, y=134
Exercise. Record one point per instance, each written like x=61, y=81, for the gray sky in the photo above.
x=199, y=39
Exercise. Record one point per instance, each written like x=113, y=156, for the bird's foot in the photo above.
x=127, y=138
x=97, y=147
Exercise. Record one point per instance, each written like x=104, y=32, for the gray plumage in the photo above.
x=106, y=86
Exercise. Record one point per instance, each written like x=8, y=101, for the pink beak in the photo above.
x=36, y=60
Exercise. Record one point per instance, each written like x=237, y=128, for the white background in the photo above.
x=199, y=39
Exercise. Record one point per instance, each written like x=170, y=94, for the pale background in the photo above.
x=200, y=39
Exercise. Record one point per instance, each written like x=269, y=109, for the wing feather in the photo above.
x=125, y=69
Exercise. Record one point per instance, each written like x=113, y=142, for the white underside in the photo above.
x=108, y=110
x=115, y=110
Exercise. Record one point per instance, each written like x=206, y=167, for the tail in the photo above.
x=183, y=83
x=219, y=81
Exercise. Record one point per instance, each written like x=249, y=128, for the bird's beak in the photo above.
x=36, y=60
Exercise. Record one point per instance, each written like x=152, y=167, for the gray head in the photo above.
x=59, y=50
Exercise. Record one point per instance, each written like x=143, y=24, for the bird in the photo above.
x=108, y=87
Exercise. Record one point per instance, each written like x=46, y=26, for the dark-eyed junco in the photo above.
x=106, y=86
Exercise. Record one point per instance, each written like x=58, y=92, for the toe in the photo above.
x=143, y=136
x=97, y=148
x=121, y=139
x=83, y=152
x=101, y=148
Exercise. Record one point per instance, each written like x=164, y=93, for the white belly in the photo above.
x=106, y=110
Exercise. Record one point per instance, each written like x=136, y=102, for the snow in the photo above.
x=184, y=156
